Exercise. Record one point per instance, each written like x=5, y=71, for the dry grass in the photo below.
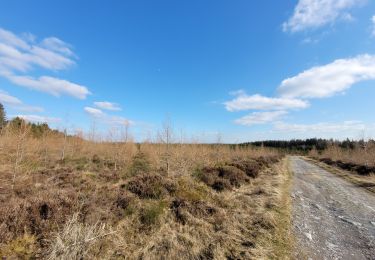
x=135, y=203
x=364, y=181
x=77, y=240
x=360, y=155
x=355, y=165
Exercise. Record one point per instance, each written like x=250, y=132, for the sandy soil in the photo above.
x=332, y=218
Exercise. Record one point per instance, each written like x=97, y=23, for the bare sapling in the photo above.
x=165, y=137
x=364, y=147
x=64, y=146
x=218, y=144
x=45, y=147
x=22, y=133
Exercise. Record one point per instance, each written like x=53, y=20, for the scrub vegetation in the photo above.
x=66, y=197
x=355, y=163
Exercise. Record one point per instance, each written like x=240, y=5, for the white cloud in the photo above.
x=356, y=126
x=373, y=25
x=8, y=99
x=51, y=53
x=107, y=105
x=20, y=54
x=55, y=44
x=119, y=120
x=94, y=112
x=327, y=80
x=245, y=102
x=54, y=86
x=256, y=118
x=310, y=14
x=16, y=103
x=39, y=119
x=107, y=119
x=12, y=40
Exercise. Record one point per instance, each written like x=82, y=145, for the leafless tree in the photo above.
x=22, y=134
x=165, y=137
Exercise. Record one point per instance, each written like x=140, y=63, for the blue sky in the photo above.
x=243, y=70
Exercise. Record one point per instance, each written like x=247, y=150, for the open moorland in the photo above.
x=64, y=197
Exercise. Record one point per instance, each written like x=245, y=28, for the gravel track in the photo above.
x=332, y=218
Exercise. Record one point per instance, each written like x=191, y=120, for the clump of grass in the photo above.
x=76, y=240
x=190, y=191
x=23, y=247
x=140, y=164
x=150, y=215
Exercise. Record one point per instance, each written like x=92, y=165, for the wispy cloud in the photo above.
x=99, y=115
x=356, y=126
x=259, y=102
x=107, y=105
x=327, y=80
x=51, y=85
x=373, y=26
x=16, y=103
x=20, y=54
x=57, y=45
x=257, y=118
x=94, y=112
x=311, y=14
x=38, y=118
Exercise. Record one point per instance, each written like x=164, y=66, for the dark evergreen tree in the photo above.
x=3, y=120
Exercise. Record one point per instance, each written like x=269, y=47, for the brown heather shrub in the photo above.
x=235, y=175
x=359, y=159
x=150, y=186
x=363, y=170
x=250, y=167
x=37, y=215
x=268, y=160
x=123, y=205
x=182, y=209
x=223, y=177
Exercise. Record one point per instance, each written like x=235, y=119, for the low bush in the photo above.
x=123, y=204
x=37, y=215
x=348, y=166
x=235, y=175
x=150, y=186
x=182, y=208
x=231, y=175
x=250, y=167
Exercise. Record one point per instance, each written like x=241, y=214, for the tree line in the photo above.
x=306, y=145
x=36, y=129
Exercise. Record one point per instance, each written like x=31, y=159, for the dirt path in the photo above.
x=332, y=218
